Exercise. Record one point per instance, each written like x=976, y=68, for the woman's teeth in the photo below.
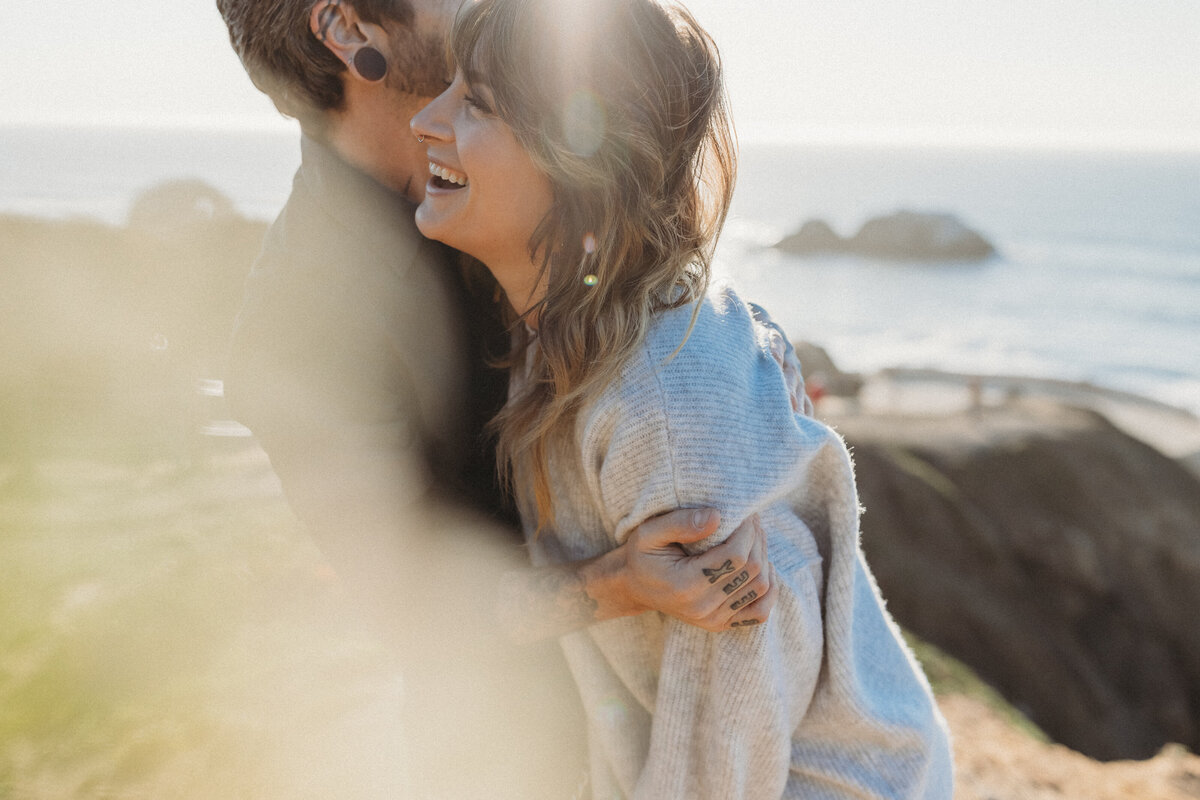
x=439, y=171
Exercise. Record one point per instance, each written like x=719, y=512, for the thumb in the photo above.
x=682, y=526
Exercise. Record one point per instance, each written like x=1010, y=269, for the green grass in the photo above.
x=948, y=675
x=167, y=632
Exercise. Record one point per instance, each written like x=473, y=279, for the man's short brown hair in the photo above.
x=286, y=61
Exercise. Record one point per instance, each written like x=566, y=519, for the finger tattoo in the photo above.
x=716, y=574
x=743, y=623
x=742, y=577
x=750, y=595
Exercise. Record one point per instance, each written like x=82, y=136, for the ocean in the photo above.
x=1097, y=276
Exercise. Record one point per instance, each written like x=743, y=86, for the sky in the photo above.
x=1091, y=73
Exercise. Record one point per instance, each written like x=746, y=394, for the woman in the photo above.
x=583, y=153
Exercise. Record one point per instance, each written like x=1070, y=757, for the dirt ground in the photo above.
x=994, y=761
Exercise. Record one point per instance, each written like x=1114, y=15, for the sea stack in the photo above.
x=902, y=236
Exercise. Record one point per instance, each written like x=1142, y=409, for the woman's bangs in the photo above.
x=470, y=37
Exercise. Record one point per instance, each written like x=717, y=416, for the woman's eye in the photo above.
x=477, y=104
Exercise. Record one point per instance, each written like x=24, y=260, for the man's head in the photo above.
x=297, y=51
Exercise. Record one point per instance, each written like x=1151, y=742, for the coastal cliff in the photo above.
x=1056, y=555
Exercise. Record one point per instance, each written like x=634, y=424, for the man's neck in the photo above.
x=372, y=134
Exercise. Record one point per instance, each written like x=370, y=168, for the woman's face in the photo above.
x=484, y=197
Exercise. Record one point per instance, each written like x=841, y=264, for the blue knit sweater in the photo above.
x=822, y=701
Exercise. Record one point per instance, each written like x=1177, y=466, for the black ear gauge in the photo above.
x=370, y=63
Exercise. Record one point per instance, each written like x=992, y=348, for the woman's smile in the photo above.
x=444, y=178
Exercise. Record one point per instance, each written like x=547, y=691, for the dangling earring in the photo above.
x=370, y=63
x=589, y=247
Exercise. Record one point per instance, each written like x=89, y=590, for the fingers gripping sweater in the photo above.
x=822, y=701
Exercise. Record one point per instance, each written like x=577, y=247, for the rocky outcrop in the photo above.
x=815, y=237
x=821, y=376
x=1054, y=554
x=902, y=236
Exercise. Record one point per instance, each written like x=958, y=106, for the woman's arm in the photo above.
x=721, y=422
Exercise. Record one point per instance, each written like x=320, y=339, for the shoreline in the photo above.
x=908, y=392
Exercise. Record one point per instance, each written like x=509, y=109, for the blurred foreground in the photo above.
x=169, y=632
x=166, y=628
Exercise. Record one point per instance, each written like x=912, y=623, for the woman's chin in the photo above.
x=427, y=224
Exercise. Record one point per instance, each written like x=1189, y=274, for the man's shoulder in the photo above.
x=343, y=296
x=360, y=259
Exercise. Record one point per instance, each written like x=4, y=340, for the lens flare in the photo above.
x=590, y=280
x=584, y=123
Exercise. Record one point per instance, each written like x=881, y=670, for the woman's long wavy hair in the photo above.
x=621, y=104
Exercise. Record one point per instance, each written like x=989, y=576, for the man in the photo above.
x=360, y=362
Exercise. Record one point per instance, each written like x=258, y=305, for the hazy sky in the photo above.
x=1098, y=72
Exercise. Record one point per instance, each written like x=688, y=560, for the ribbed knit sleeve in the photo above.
x=713, y=425
x=710, y=425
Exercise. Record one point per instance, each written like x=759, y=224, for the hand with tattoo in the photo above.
x=729, y=586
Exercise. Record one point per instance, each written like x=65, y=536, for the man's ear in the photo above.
x=336, y=25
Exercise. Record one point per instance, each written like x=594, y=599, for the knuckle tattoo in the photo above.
x=743, y=623
x=749, y=596
x=717, y=573
x=741, y=578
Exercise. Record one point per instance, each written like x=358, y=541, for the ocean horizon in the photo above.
x=1096, y=277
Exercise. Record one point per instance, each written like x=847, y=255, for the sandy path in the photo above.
x=995, y=762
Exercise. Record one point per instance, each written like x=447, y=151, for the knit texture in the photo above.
x=822, y=701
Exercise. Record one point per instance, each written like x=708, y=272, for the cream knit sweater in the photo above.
x=824, y=700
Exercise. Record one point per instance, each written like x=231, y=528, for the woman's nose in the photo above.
x=431, y=123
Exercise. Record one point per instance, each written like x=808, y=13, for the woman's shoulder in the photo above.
x=711, y=348
x=720, y=316
x=706, y=361
x=711, y=420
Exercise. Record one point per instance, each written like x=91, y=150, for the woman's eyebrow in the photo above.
x=475, y=79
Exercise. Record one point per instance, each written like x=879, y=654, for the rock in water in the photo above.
x=902, y=236
x=910, y=236
x=813, y=238
x=1051, y=552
